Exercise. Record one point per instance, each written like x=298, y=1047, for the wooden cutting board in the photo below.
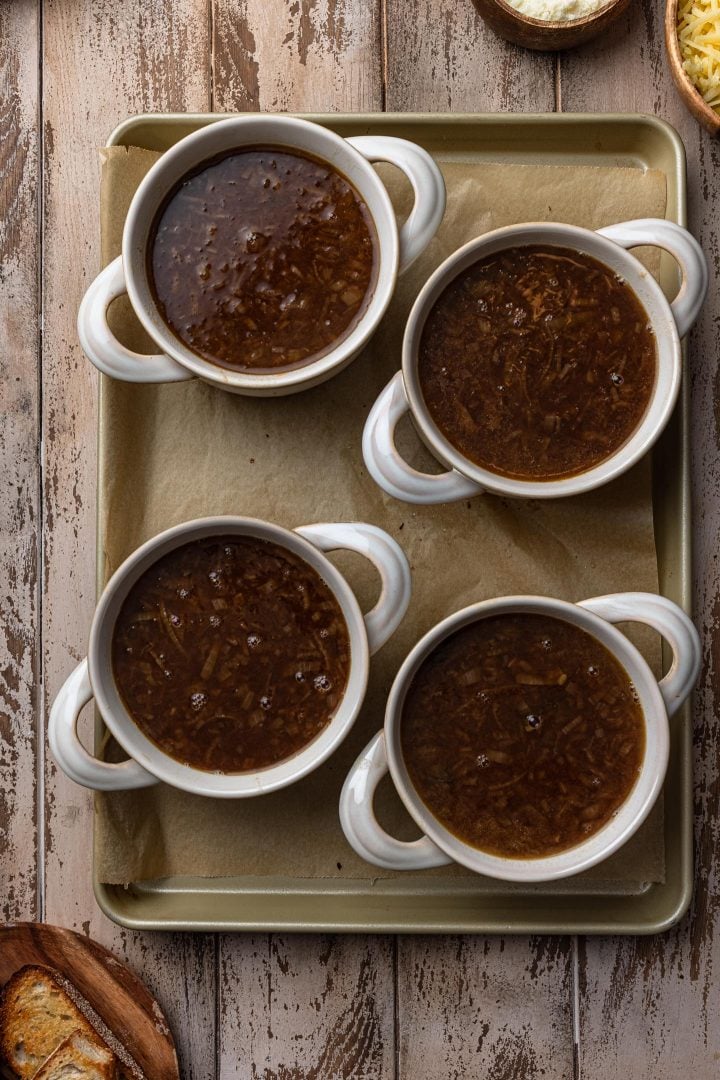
x=118, y=997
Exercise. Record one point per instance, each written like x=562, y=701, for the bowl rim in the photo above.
x=641, y=797
x=668, y=361
x=555, y=25
x=150, y=755
x=294, y=134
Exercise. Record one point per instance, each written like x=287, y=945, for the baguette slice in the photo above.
x=79, y=1059
x=36, y=1015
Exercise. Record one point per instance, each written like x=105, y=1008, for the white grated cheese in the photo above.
x=699, y=37
x=557, y=10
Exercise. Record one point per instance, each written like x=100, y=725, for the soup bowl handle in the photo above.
x=671, y=623
x=389, y=560
x=71, y=755
x=102, y=347
x=684, y=248
x=362, y=829
x=390, y=471
x=427, y=183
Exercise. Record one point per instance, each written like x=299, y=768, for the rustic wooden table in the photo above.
x=287, y=1007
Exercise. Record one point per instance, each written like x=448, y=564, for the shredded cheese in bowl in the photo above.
x=699, y=37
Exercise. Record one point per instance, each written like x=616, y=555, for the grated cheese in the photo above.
x=699, y=37
x=558, y=10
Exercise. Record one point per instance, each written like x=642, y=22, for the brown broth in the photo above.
x=263, y=259
x=537, y=363
x=522, y=734
x=231, y=654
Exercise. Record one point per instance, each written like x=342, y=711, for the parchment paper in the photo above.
x=170, y=453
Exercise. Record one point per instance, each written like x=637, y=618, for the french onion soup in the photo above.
x=262, y=259
x=522, y=734
x=537, y=362
x=231, y=654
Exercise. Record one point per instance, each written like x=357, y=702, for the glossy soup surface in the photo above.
x=231, y=654
x=263, y=259
x=522, y=734
x=537, y=363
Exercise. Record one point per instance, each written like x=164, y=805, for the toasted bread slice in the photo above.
x=36, y=1015
x=77, y=1058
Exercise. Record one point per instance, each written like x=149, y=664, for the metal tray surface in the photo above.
x=397, y=905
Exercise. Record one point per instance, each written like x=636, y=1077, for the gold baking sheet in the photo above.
x=478, y=531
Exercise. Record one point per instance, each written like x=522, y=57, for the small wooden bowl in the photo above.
x=511, y=24
x=688, y=91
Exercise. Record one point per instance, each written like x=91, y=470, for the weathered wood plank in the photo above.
x=648, y=1004
x=441, y=57
x=305, y=56
x=474, y=1006
x=304, y=1007
x=496, y=1008
x=102, y=61
x=19, y=452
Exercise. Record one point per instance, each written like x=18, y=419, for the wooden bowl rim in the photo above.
x=672, y=42
x=555, y=25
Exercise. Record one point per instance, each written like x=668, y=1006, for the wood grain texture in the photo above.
x=649, y=1005
x=302, y=1007
x=120, y=1000
x=298, y=56
x=309, y=1007
x=102, y=61
x=19, y=452
x=442, y=57
x=306, y=1008
x=496, y=1008
x=475, y=1007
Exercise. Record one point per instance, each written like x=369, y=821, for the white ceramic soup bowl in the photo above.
x=397, y=249
x=438, y=846
x=669, y=321
x=147, y=763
